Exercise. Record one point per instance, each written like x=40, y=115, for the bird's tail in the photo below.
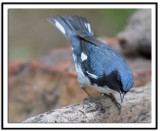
x=69, y=25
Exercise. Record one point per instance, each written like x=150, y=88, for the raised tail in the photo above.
x=69, y=25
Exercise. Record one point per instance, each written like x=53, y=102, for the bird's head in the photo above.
x=121, y=81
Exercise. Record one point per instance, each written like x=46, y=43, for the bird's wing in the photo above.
x=89, y=38
x=91, y=54
x=95, y=61
x=91, y=57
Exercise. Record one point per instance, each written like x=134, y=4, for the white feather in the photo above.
x=83, y=56
x=100, y=89
x=59, y=26
x=86, y=25
x=92, y=75
x=74, y=57
x=81, y=77
x=89, y=27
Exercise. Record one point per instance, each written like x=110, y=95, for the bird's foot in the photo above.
x=98, y=104
x=85, y=99
x=92, y=99
x=113, y=99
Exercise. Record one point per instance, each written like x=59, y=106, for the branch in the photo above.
x=135, y=108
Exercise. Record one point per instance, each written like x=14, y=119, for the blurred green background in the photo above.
x=31, y=35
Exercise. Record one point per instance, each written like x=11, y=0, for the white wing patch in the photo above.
x=59, y=26
x=88, y=26
x=92, y=75
x=83, y=56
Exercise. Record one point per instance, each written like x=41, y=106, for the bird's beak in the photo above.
x=122, y=96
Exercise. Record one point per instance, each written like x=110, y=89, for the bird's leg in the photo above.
x=93, y=99
x=111, y=96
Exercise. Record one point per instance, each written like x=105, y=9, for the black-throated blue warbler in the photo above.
x=97, y=65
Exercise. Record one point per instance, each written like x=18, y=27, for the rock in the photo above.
x=136, y=108
x=14, y=67
x=136, y=37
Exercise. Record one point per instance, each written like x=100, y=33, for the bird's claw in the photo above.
x=85, y=99
x=98, y=104
x=115, y=101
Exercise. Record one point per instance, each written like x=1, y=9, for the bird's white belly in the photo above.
x=99, y=88
x=86, y=82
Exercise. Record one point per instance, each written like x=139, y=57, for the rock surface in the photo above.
x=132, y=110
x=50, y=82
x=136, y=37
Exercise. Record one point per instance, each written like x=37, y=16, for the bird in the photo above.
x=97, y=64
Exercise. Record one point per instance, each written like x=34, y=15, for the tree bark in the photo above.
x=135, y=108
